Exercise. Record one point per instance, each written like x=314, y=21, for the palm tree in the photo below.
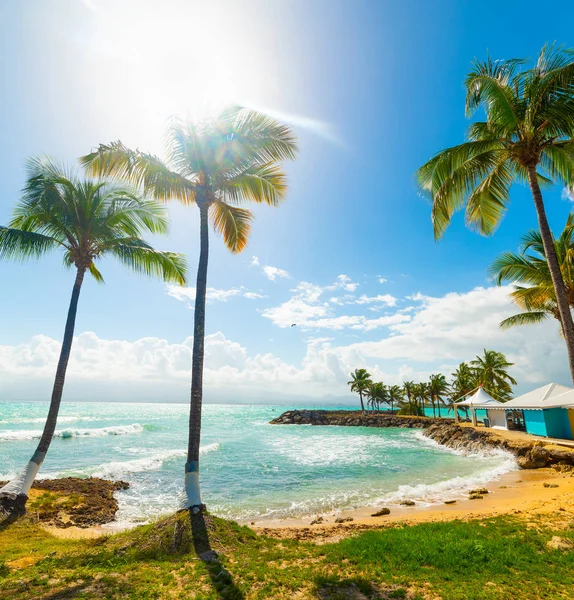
x=462, y=384
x=422, y=393
x=528, y=136
x=491, y=371
x=536, y=298
x=410, y=390
x=373, y=394
x=438, y=389
x=360, y=382
x=394, y=394
x=86, y=220
x=218, y=165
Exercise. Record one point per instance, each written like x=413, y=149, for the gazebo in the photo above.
x=480, y=399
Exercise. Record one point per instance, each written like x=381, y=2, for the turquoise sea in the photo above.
x=249, y=469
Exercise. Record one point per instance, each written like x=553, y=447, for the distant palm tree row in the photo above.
x=489, y=371
x=216, y=165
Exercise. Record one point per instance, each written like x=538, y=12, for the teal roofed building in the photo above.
x=547, y=411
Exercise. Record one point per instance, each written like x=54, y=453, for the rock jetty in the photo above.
x=352, y=418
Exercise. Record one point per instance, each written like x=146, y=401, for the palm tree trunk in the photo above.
x=14, y=495
x=555, y=273
x=192, y=489
x=361, y=398
x=438, y=406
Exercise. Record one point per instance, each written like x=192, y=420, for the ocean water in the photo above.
x=249, y=469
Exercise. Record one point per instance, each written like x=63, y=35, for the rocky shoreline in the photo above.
x=530, y=454
x=74, y=501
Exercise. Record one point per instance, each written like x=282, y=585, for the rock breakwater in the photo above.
x=351, y=418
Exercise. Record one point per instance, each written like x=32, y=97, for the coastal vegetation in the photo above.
x=528, y=136
x=86, y=220
x=529, y=271
x=218, y=165
x=489, y=370
x=486, y=559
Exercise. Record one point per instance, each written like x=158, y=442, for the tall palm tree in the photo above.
x=360, y=382
x=423, y=394
x=528, y=136
x=86, y=220
x=463, y=383
x=438, y=389
x=536, y=297
x=394, y=394
x=373, y=394
x=410, y=391
x=218, y=165
x=491, y=371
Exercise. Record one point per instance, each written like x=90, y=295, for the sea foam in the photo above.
x=28, y=434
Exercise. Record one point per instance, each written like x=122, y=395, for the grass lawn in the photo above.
x=489, y=559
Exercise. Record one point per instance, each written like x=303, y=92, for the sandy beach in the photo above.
x=520, y=493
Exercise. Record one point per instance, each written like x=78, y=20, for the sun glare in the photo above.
x=192, y=65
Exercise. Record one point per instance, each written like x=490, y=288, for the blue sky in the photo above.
x=372, y=89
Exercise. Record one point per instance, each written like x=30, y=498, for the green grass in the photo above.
x=502, y=558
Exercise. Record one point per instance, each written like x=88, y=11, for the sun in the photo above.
x=191, y=62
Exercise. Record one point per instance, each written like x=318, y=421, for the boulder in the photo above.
x=382, y=512
x=343, y=519
x=407, y=503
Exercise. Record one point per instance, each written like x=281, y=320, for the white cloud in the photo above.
x=254, y=261
x=440, y=333
x=272, y=273
x=187, y=294
x=306, y=309
x=568, y=194
x=345, y=282
x=381, y=279
x=385, y=299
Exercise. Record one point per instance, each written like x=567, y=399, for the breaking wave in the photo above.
x=117, y=469
x=28, y=434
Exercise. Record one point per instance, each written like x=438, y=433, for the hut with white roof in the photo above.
x=479, y=400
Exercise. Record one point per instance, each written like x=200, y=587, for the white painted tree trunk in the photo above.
x=21, y=484
x=192, y=489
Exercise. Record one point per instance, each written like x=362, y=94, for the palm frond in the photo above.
x=525, y=318
x=139, y=257
x=261, y=183
x=141, y=170
x=16, y=244
x=232, y=223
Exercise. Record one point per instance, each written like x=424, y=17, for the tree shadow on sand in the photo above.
x=221, y=578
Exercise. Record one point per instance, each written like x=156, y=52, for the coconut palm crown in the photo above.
x=491, y=372
x=86, y=220
x=528, y=136
x=218, y=165
x=360, y=383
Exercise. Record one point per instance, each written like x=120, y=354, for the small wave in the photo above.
x=117, y=469
x=19, y=435
x=450, y=489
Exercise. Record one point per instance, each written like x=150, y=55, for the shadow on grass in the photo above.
x=355, y=588
x=74, y=591
x=6, y=519
x=221, y=578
